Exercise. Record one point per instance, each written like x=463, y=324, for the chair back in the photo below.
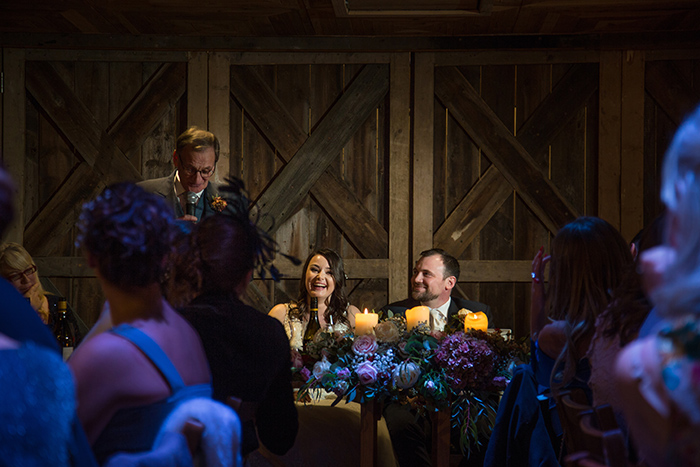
x=570, y=406
x=606, y=446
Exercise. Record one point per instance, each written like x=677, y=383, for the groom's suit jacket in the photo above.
x=165, y=187
x=456, y=304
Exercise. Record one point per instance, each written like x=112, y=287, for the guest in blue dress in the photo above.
x=130, y=378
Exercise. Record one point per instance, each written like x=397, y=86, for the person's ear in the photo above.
x=176, y=159
x=451, y=282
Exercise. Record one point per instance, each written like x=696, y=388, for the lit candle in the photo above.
x=365, y=322
x=477, y=321
x=416, y=316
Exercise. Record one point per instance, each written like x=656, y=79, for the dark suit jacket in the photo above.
x=249, y=357
x=456, y=304
x=165, y=187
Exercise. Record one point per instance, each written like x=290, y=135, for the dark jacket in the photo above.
x=249, y=358
x=165, y=187
x=456, y=304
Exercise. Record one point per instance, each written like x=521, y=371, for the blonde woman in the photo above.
x=17, y=266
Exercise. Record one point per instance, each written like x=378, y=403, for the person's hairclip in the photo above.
x=238, y=207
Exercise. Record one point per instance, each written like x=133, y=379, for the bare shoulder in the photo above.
x=106, y=353
x=279, y=312
x=351, y=312
x=552, y=338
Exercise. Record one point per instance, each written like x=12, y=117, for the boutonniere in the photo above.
x=218, y=204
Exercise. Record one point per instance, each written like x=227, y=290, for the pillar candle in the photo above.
x=416, y=316
x=365, y=322
x=476, y=321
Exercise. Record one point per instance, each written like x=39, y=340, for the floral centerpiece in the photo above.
x=429, y=370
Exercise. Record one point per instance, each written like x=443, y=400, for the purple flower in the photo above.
x=305, y=373
x=430, y=386
x=341, y=387
x=343, y=373
x=321, y=367
x=467, y=361
x=366, y=372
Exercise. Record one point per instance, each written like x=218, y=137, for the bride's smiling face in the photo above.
x=319, y=278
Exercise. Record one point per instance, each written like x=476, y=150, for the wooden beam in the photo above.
x=333, y=195
x=219, y=110
x=13, y=132
x=399, y=163
x=601, y=41
x=59, y=266
x=568, y=96
x=609, y=137
x=670, y=90
x=106, y=55
x=495, y=271
x=473, y=212
x=297, y=177
x=423, y=127
x=197, y=88
x=502, y=148
x=354, y=268
x=325, y=58
x=632, y=145
x=515, y=57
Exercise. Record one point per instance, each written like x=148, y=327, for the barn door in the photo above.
x=82, y=120
x=320, y=140
x=509, y=153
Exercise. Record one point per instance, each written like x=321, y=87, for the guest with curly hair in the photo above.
x=323, y=278
x=129, y=378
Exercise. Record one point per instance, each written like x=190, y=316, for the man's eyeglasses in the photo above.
x=205, y=172
x=18, y=275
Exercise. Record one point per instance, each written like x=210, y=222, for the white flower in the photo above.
x=406, y=375
x=321, y=368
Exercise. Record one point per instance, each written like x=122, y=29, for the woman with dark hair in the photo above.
x=130, y=378
x=323, y=278
x=247, y=350
x=589, y=258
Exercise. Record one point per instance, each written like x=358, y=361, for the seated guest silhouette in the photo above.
x=247, y=350
x=129, y=378
x=195, y=158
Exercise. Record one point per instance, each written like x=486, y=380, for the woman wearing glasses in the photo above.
x=17, y=266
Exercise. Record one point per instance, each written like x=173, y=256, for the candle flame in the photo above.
x=365, y=310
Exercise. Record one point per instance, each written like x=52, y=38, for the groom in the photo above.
x=195, y=158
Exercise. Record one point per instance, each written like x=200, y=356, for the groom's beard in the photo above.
x=423, y=296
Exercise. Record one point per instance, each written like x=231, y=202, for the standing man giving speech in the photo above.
x=188, y=190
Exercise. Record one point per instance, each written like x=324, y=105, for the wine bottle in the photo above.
x=313, y=325
x=64, y=333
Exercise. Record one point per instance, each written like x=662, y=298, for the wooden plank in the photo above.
x=632, y=145
x=399, y=162
x=495, y=271
x=354, y=268
x=153, y=101
x=370, y=412
x=502, y=148
x=318, y=151
x=473, y=212
x=219, y=108
x=104, y=162
x=361, y=228
x=661, y=40
x=197, y=88
x=558, y=108
x=424, y=98
x=670, y=90
x=440, y=449
x=60, y=266
x=13, y=142
x=609, y=137
x=106, y=55
x=328, y=58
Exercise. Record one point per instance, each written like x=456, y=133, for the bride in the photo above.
x=323, y=278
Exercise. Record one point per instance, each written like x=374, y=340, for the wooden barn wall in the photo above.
x=414, y=167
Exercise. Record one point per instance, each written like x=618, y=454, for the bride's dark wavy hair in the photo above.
x=338, y=301
x=221, y=250
x=129, y=233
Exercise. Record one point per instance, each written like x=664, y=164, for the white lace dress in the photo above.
x=295, y=329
